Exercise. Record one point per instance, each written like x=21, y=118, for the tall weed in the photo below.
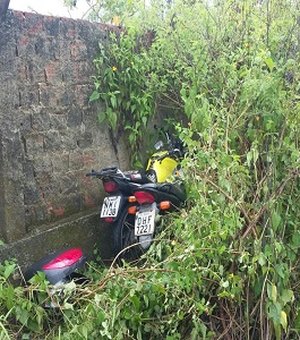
x=226, y=266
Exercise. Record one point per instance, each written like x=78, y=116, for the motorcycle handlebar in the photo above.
x=106, y=172
x=175, y=152
x=93, y=174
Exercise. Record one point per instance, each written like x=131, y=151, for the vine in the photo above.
x=227, y=265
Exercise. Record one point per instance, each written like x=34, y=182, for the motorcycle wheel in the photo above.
x=78, y=278
x=124, y=238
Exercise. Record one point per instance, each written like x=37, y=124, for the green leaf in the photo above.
x=9, y=269
x=276, y=219
x=94, y=96
x=112, y=118
x=225, y=284
x=281, y=270
x=270, y=63
x=136, y=302
x=287, y=296
x=144, y=120
x=272, y=292
x=296, y=239
x=22, y=315
x=101, y=117
x=297, y=322
x=113, y=101
x=68, y=306
x=84, y=331
x=278, y=330
x=283, y=319
x=262, y=259
x=132, y=138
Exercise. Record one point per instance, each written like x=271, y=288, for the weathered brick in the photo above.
x=22, y=71
x=67, y=72
x=52, y=26
x=31, y=71
x=49, y=132
x=41, y=121
x=74, y=116
x=52, y=141
x=28, y=96
x=89, y=158
x=76, y=160
x=83, y=93
x=68, y=139
x=24, y=123
x=42, y=165
x=58, y=121
x=60, y=162
x=52, y=72
x=35, y=215
x=33, y=24
x=47, y=184
x=78, y=50
x=46, y=48
x=66, y=98
x=28, y=170
x=67, y=28
x=34, y=144
x=31, y=195
x=68, y=184
x=85, y=140
x=90, y=117
x=82, y=72
x=55, y=97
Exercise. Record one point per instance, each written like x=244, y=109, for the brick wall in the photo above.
x=49, y=134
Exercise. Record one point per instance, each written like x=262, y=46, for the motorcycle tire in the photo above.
x=126, y=245
x=78, y=278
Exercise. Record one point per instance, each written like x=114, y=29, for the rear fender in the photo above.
x=58, y=266
x=161, y=195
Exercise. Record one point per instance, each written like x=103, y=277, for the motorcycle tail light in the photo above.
x=131, y=199
x=110, y=186
x=108, y=219
x=144, y=197
x=65, y=259
x=164, y=205
x=132, y=210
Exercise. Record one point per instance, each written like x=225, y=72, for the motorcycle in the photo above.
x=59, y=267
x=62, y=267
x=134, y=203
x=154, y=200
x=128, y=203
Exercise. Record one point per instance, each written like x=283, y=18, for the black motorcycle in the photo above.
x=133, y=194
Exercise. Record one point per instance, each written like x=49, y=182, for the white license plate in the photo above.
x=144, y=222
x=110, y=206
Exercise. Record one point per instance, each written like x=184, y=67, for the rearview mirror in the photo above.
x=158, y=145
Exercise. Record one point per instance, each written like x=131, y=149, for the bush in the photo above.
x=226, y=266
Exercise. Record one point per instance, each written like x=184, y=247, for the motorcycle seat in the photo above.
x=137, y=176
x=175, y=189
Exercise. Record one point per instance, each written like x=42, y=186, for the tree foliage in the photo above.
x=227, y=265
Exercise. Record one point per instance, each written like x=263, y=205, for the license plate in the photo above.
x=144, y=222
x=110, y=206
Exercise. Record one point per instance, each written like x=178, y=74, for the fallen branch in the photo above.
x=278, y=191
x=230, y=198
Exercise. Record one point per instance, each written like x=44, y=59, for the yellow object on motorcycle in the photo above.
x=164, y=167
